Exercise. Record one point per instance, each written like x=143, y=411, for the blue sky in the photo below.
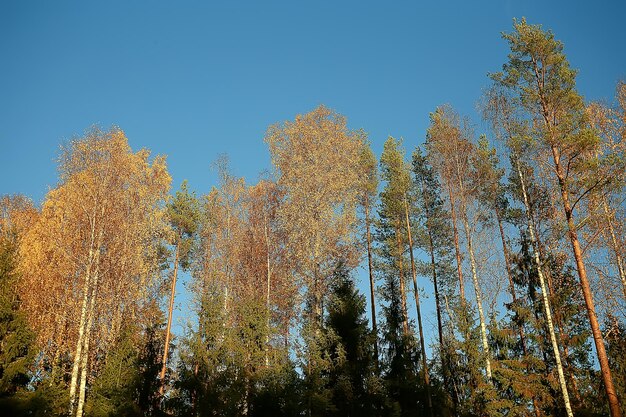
x=196, y=79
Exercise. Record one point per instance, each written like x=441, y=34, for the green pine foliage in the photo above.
x=16, y=339
x=128, y=383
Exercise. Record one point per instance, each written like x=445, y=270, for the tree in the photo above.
x=392, y=213
x=610, y=123
x=400, y=352
x=539, y=74
x=316, y=158
x=351, y=377
x=369, y=191
x=92, y=255
x=127, y=383
x=436, y=241
x=449, y=146
x=513, y=132
x=17, y=350
x=183, y=213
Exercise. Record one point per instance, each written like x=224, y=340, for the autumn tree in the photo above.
x=450, y=147
x=316, y=158
x=91, y=255
x=606, y=210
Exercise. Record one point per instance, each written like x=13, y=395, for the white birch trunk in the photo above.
x=79, y=343
x=85, y=354
x=479, y=302
x=616, y=248
x=544, y=292
x=91, y=260
x=267, y=300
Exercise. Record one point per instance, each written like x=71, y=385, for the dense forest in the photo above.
x=517, y=234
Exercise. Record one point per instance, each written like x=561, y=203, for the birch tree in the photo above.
x=316, y=158
x=96, y=228
x=451, y=150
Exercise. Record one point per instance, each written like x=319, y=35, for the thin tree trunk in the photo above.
x=509, y=269
x=616, y=247
x=507, y=256
x=563, y=335
x=371, y=276
x=405, y=317
x=433, y=265
x=544, y=292
x=457, y=248
x=81, y=333
x=479, y=303
x=169, y=320
x=431, y=250
x=417, y=308
x=85, y=354
x=267, y=294
x=61, y=334
x=93, y=260
x=457, y=394
x=614, y=405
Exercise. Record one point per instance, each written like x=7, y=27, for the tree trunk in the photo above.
x=405, y=317
x=544, y=292
x=81, y=333
x=457, y=248
x=169, y=320
x=417, y=308
x=431, y=250
x=85, y=354
x=433, y=266
x=616, y=247
x=371, y=276
x=614, y=405
x=92, y=262
x=507, y=256
x=479, y=303
x=267, y=295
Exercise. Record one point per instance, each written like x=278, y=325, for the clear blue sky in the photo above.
x=193, y=80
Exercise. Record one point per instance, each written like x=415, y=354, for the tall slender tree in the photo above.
x=395, y=173
x=450, y=147
x=539, y=73
x=436, y=241
x=369, y=191
x=183, y=214
x=316, y=158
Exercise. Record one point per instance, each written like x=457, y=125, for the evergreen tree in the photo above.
x=436, y=240
x=16, y=339
x=539, y=74
x=351, y=379
x=183, y=214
